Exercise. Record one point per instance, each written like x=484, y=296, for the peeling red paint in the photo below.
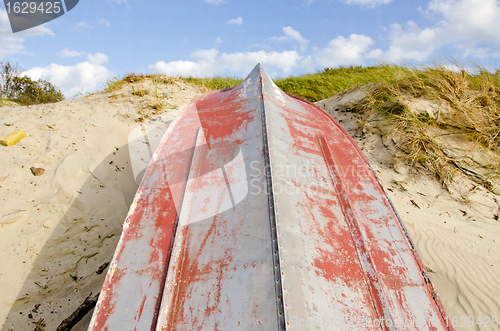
x=336, y=248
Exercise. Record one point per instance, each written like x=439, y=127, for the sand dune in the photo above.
x=59, y=229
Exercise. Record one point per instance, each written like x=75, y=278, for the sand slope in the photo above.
x=59, y=229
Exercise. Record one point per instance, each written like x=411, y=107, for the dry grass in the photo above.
x=467, y=111
x=468, y=108
x=133, y=78
x=149, y=90
x=214, y=83
x=7, y=102
x=113, y=84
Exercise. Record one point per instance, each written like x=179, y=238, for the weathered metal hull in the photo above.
x=259, y=212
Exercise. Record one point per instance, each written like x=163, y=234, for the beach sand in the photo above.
x=59, y=229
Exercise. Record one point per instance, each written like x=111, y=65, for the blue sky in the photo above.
x=101, y=39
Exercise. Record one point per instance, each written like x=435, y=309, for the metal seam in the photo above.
x=156, y=314
x=413, y=248
x=272, y=215
x=378, y=297
x=228, y=185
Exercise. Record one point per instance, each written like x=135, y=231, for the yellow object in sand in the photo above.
x=13, y=137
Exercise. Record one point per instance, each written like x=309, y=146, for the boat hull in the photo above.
x=258, y=211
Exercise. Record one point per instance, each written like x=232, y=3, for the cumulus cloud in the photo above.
x=462, y=24
x=342, y=51
x=104, y=21
x=238, y=21
x=69, y=53
x=293, y=34
x=367, y=3
x=211, y=62
x=410, y=42
x=11, y=43
x=97, y=58
x=468, y=20
x=83, y=77
x=83, y=26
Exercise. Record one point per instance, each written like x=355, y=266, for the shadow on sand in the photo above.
x=73, y=262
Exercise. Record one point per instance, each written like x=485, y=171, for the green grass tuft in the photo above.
x=215, y=83
x=313, y=87
x=470, y=101
x=331, y=81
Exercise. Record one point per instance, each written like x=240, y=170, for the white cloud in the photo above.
x=104, y=21
x=214, y=2
x=468, y=20
x=410, y=42
x=83, y=26
x=218, y=40
x=69, y=53
x=119, y=2
x=211, y=62
x=295, y=35
x=83, y=77
x=97, y=58
x=342, y=51
x=480, y=53
x=367, y=3
x=11, y=43
x=238, y=21
x=462, y=24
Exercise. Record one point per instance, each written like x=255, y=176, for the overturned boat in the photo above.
x=259, y=212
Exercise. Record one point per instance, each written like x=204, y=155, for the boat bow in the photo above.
x=258, y=211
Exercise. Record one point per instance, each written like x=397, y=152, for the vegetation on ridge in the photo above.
x=469, y=112
x=460, y=135
x=465, y=111
x=23, y=90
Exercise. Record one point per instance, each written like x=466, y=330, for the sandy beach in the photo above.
x=59, y=229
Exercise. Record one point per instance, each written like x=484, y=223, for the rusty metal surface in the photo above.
x=259, y=212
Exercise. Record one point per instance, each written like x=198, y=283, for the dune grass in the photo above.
x=469, y=109
x=331, y=81
x=8, y=102
x=469, y=103
x=214, y=83
x=313, y=87
x=469, y=112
